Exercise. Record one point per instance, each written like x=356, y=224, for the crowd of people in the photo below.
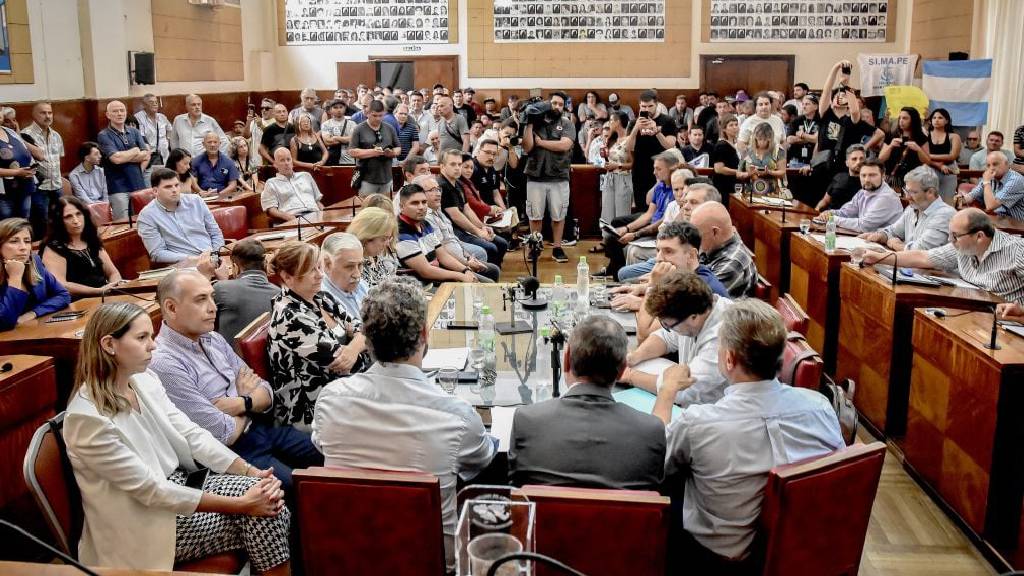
x=348, y=322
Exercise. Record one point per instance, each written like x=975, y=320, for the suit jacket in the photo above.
x=242, y=300
x=587, y=439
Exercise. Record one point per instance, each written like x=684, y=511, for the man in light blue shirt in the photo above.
x=925, y=222
x=343, y=269
x=1001, y=189
x=176, y=226
x=872, y=208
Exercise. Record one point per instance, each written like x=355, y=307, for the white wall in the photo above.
x=56, y=54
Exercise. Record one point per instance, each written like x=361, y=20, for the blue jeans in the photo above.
x=635, y=270
x=16, y=202
x=40, y=210
x=279, y=447
x=495, y=248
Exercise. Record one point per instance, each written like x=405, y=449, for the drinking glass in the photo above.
x=478, y=299
x=805, y=226
x=448, y=379
x=857, y=256
x=486, y=548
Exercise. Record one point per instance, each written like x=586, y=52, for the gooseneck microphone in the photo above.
x=992, y=345
x=109, y=289
x=35, y=540
x=895, y=265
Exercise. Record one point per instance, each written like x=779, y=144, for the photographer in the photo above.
x=649, y=135
x=839, y=124
x=548, y=140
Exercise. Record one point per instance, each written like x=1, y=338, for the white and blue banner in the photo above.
x=963, y=87
x=879, y=71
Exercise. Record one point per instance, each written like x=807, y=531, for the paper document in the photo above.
x=640, y=400
x=504, y=222
x=654, y=366
x=156, y=274
x=276, y=235
x=772, y=201
x=645, y=243
x=501, y=425
x=848, y=242
x=959, y=283
x=438, y=358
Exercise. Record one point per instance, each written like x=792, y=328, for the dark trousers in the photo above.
x=615, y=250
x=15, y=203
x=39, y=213
x=282, y=448
x=495, y=248
x=643, y=180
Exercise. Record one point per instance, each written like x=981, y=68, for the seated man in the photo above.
x=689, y=193
x=553, y=442
x=178, y=228
x=1001, y=189
x=393, y=417
x=212, y=385
x=468, y=226
x=873, y=207
x=415, y=166
x=773, y=423
x=689, y=315
x=443, y=227
x=247, y=296
x=925, y=222
x=343, y=272
x=988, y=258
x=419, y=247
x=215, y=172
x=289, y=193
x=844, y=184
x=722, y=250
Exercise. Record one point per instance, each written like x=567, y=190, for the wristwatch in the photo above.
x=248, y=403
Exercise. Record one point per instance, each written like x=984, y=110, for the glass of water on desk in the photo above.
x=448, y=379
x=857, y=256
x=805, y=226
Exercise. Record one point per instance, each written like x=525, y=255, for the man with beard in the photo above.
x=845, y=184
x=874, y=207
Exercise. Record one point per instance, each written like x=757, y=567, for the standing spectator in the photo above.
x=803, y=133
x=681, y=114
x=649, y=135
x=800, y=91
x=191, y=127
x=374, y=145
x=17, y=173
x=511, y=109
x=617, y=183
x=336, y=133
x=697, y=146
x=306, y=146
x=215, y=172
x=615, y=105
x=277, y=134
x=762, y=114
x=452, y=128
x=419, y=114
x=971, y=145
x=944, y=149
x=88, y=182
x=1018, y=149
x=156, y=129
x=460, y=107
x=993, y=143
x=47, y=147
x=726, y=161
x=125, y=157
x=548, y=141
x=307, y=105
x=591, y=108
x=468, y=95
x=408, y=132
x=906, y=148
x=254, y=129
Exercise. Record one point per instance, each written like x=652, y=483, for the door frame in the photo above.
x=705, y=60
x=453, y=58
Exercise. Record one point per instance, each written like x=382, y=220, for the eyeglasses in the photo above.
x=669, y=327
x=953, y=236
x=265, y=108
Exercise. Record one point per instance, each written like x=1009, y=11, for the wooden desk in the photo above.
x=814, y=284
x=125, y=248
x=875, y=328
x=964, y=427
x=309, y=234
x=1008, y=225
x=585, y=195
x=742, y=209
x=31, y=569
x=248, y=200
x=61, y=340
x=771, y=246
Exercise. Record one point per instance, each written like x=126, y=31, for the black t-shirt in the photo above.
x=902, y=159
x=689, y=152
x=805, y=151
x=374, y=170
x=81, y=266
x=832, y=127
x=274, y=137
x=842, y=189
x=708, y=119
x=467, y=112
x=487, y=182
x=452, y=195
x=647, y=146
x=726, y=154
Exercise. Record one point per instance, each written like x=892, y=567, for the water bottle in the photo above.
x=558, y=299
x=542, y=372
x=486, y=370
x=830, y=233
x=583, y=283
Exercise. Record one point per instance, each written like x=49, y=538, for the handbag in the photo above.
x=840, y=397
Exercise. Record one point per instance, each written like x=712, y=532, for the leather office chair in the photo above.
x=793, y=315
x=815, y=513
x=369, y=522
x=140, y=198
x=51, y=480
x=252, y=345
x=623, y=529
x=101, y=214
x=233, y=221
x=763, y=289
x=801, y=365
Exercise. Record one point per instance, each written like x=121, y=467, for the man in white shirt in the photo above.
x=289, y=193
x=689, y=314
x=925, y=222
x=156, y=129
x=726, y=449
x=191, y=127
x=393, y=417
x=763, y=104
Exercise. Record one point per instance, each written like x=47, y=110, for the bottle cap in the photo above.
x=545, y=331
x=558, y=278
x=485, y=309
x=583, y=259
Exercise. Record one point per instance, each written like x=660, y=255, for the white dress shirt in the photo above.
x=392, y=417
x=157, y=133
x=922, y=229
x=729, y=447
x=121, y=464
x=296, y=195
x=700, y=353
x=190, y=136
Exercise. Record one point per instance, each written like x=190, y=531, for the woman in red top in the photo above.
x=482, y=209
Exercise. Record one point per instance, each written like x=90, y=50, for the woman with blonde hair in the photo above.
x=310, y=338
x=27, y=289
x=246, y=162
x=765, y=161
x=376, y=229
x=139, y=463
x=307, y=146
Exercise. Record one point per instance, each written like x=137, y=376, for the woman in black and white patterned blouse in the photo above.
x=376, y=228
x=312, y=340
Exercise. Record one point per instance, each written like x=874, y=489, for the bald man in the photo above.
x=125, y=157
x=46, y=146
x=1000, y=189
x=289, y=193
x=982, y=255
x=191, y=127
x=722, y=250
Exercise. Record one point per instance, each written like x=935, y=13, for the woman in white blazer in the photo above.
x=132, y=449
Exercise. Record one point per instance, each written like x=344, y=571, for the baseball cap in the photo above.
x=613, y=97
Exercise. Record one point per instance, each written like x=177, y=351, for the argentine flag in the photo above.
x=963, y=87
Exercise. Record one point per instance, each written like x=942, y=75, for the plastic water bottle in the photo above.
x=830, y=233
x=583, y=283
x=558, y=299
x=542, y=372
x=486, y=370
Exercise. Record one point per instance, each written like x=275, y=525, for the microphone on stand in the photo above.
x=992, y=345
x=35, y=540
x=894, y=266
x=302, y=218
x=557, y=339
x=530, y=286
x=535, y=245
x=513, y=326
x=129, y=211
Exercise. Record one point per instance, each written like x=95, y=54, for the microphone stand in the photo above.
x=536, y=249
x=59, y=554
x=512, y=326
x=557, y=340
x=302, y=217
x=992, y=345
x=109, y=289
x=895, y=263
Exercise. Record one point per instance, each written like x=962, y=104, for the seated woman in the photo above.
x=307, y=146
x=73, y=252
x=27, y=289
x=88, y=182
x=765, y=161
x=310, y=336
x=248, y=169
x=180, y=160
x=132, y=450
x=377, y=229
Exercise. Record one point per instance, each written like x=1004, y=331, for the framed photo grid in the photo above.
x=578, y=21
x=798, y=21
x=365, y=21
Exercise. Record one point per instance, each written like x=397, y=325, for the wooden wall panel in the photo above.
x=939, y=27
x=20, y=39
x=184, y=51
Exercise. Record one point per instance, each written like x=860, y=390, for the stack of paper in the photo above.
x=849, y=243
x=438, y=358
x=501, y=425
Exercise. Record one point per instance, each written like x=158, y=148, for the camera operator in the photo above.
x=548, y=140
x=649, y=135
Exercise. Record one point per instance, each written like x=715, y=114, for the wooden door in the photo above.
x=352, y=74
x=430, y=70
x=727, y=74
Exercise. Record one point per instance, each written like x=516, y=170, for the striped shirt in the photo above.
x=53, y=149
x=1000, y=269
x=407, y=134
x=734, y=266
x=922, y=230
x=1009, y=190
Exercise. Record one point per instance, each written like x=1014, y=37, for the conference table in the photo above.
x=743, y=208
x=876, y=322
x=32, y=569
x=964, y=427
x=771, y=232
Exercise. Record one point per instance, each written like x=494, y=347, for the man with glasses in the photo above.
x=925, y=221
x=465, y=253
x=988, y=258
x=689, y=315
x=970, y=145
x=374, y=145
